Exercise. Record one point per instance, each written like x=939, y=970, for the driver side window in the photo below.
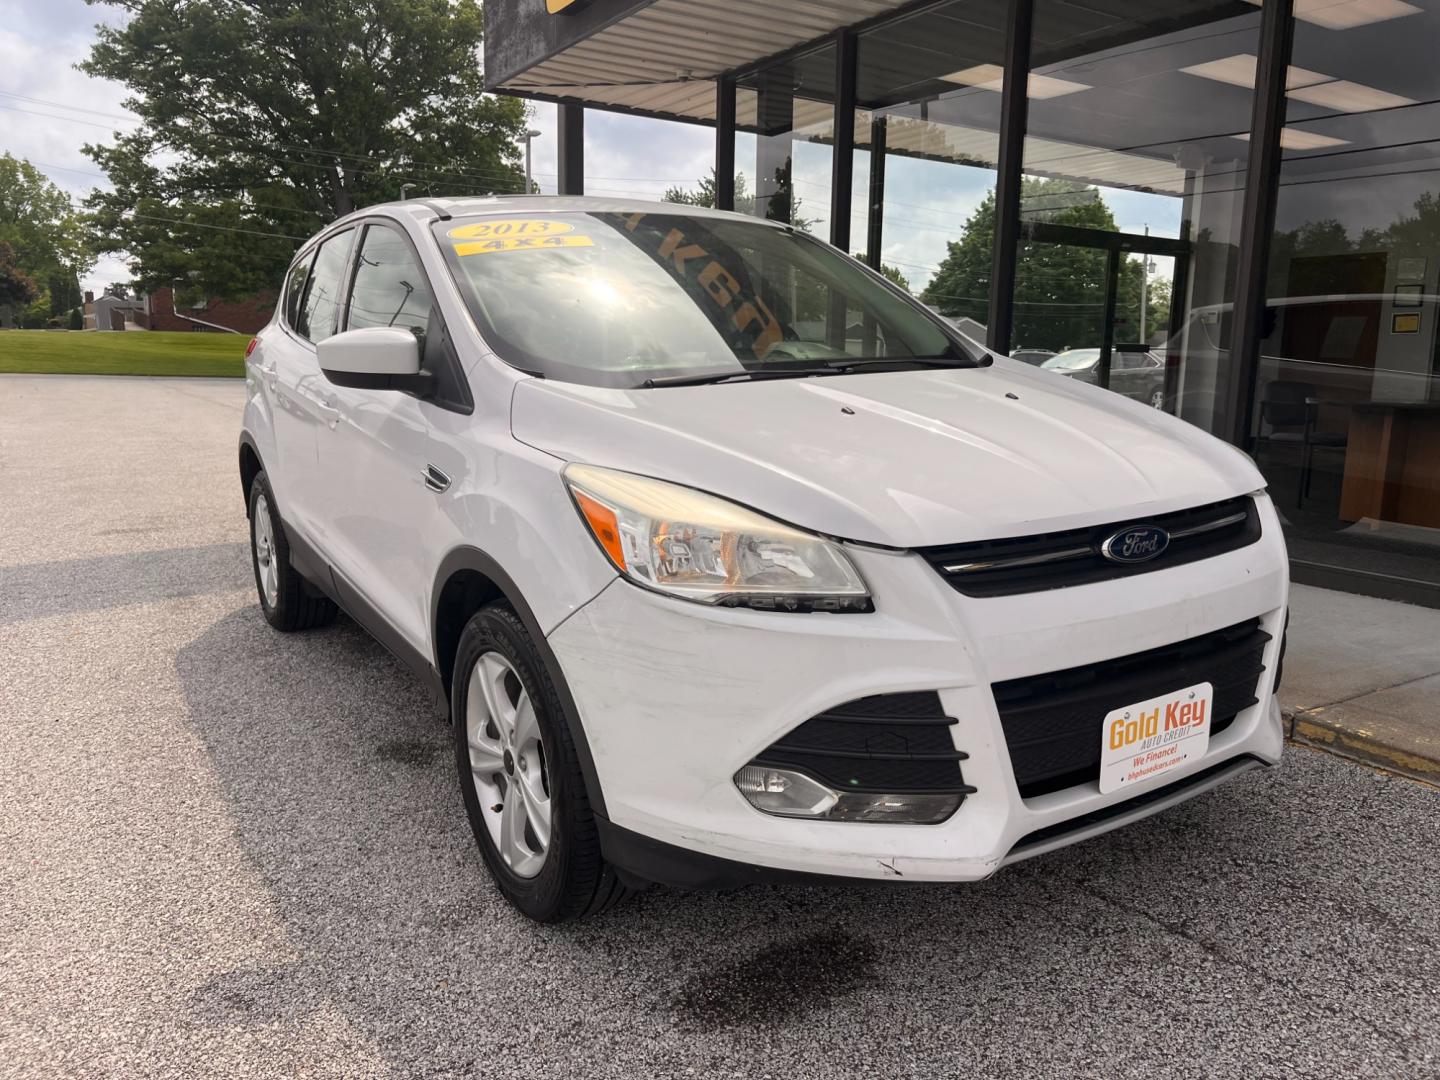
x=389, y=288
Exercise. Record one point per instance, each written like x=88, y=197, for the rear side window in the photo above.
x=321, y=302
x=295, y=288
x=390, y=289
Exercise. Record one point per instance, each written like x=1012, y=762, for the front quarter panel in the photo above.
x=509, y=501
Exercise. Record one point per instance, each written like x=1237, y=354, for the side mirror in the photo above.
x=374, y=358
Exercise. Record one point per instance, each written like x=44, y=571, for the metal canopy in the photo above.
x=663, y=58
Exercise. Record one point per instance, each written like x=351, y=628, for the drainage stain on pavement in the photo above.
x=781, y=979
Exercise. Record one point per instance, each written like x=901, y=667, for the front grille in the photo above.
x=1054, y=560
x=888, y=744
x=1053, y=722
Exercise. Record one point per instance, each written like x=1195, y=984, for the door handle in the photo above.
x=328, y=410
x=434, y=479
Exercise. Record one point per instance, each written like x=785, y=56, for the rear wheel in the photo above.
x=520, y=776
x=286, y=600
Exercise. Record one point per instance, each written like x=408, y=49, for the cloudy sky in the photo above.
x=48, y=110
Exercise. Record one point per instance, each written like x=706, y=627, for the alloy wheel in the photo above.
x=264, y=544
x=507, y=764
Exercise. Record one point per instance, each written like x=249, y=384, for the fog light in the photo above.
x=780, y=791
x=794, y=794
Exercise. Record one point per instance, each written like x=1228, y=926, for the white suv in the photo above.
x=728, y=561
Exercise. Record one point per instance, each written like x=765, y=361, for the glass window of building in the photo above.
x=1346, y=419
x=785, y=130
x=934, y=223
x=1135, y=157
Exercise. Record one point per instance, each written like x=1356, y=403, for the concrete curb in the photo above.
x=1328, y=731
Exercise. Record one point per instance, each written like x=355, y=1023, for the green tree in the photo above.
x=891, y=272
x=260, y=122
x=64, y=289
x=961, y=285
x=37, y=315
x=17, y=291
x=706, y=193
x=43, y=234
x=1127, y=304
x=1059, y=288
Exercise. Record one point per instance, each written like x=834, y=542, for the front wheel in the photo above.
x=287, y=602
x=520, y=776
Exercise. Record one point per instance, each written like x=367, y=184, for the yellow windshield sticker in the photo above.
x=521, y=243
x=489, y=230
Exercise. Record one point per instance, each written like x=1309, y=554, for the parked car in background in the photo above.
x=1033, y=357
x=1138, y=375
x=708, y=599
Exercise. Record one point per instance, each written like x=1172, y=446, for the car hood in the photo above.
x=903, y=459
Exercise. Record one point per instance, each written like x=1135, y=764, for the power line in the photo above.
x=52, y=116
x=62, y=105
x=293, y=147
x=218, y=228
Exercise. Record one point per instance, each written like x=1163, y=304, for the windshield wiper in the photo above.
x=923, y=361
x=726, y=376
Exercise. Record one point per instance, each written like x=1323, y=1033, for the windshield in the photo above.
x=1073, y=360
x=615, y=299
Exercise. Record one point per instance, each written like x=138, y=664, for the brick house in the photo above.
x=238, y=316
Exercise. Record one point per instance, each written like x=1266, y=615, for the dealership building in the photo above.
x=1228, y=210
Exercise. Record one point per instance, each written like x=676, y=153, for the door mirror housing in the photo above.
x=374, y=358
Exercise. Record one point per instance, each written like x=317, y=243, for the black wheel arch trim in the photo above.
x=247, y=442
x=472, y=558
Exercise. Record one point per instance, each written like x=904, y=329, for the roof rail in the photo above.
x=440, y=211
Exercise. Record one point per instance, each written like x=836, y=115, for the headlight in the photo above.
x=683, y=542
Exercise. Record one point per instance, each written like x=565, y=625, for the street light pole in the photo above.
x=1144, y=287
x=530, y=133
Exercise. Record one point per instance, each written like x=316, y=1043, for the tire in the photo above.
x=516, y=764
x=288, y=602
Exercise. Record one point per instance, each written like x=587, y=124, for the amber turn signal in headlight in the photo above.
x=699, y=547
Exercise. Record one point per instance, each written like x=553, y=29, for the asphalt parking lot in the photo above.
x=230, y=852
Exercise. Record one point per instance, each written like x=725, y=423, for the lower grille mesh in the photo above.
x=1053, y=722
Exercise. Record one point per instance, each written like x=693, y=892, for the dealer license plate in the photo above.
x=1154, y=737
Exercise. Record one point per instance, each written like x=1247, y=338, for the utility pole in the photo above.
x=1144, y=288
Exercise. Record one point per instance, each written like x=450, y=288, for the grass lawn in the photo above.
x=136, y=352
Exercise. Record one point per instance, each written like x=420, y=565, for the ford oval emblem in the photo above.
x=1136, y=545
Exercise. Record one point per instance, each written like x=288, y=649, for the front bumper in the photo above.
x=676, y=697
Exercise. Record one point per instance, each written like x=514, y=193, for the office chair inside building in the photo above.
x=1289, y=413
